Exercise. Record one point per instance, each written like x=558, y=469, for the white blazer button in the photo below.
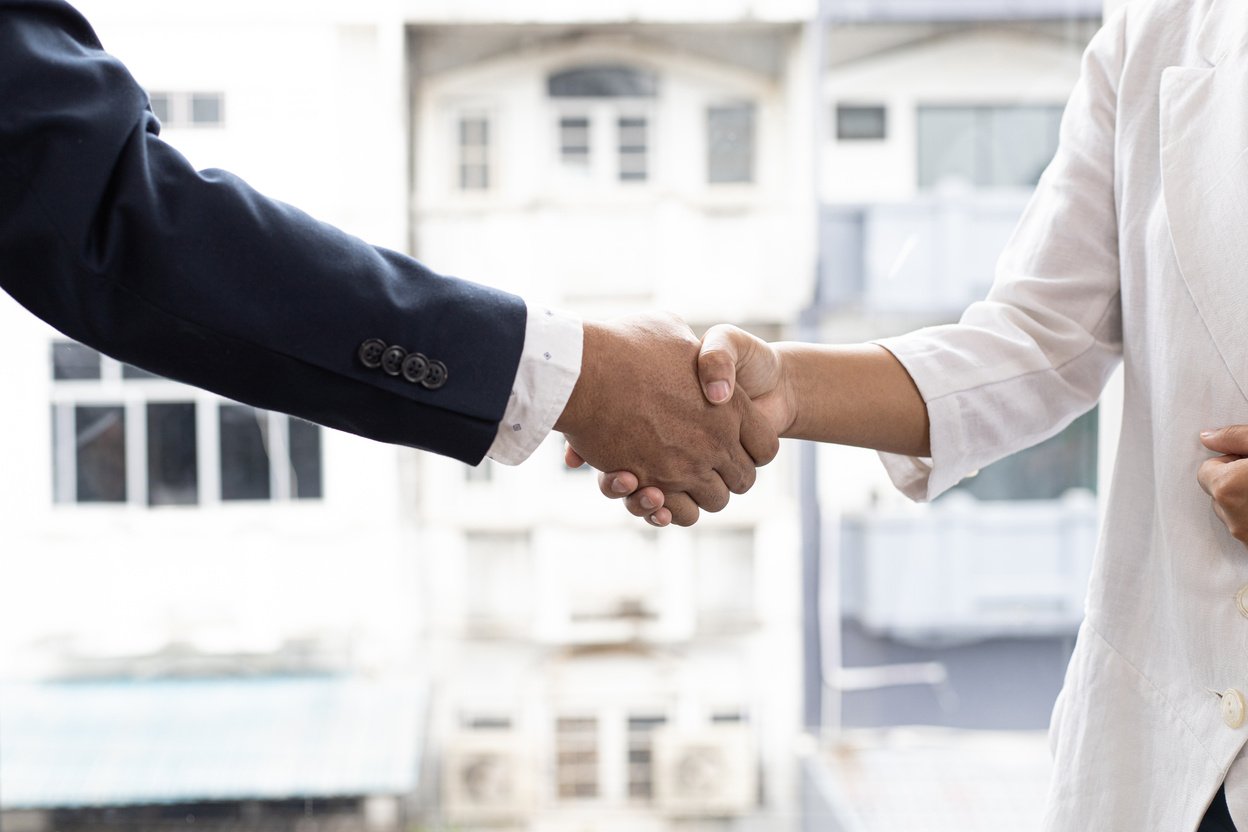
x=1232, y=708
x=1241, y=601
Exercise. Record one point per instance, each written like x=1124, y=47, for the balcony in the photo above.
x=933, y=256
x=965, y=569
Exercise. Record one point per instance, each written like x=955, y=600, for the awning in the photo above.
x=120, y=743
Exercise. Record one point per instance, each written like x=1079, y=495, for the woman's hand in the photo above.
x=1225, y=478
x=729, y=357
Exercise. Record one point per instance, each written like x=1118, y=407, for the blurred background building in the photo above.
x=215, y=616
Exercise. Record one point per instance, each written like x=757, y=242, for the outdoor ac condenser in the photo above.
x=486, y=777
x=708, y=772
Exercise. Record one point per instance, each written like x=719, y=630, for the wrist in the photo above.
x=789, y=362
x=585, y=394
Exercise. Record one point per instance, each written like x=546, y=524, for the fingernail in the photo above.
x=717, y=391
x=650, y=519
x=1206, y=434
x=648, y=504
x=618, y=486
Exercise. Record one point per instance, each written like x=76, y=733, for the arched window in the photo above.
x=604, y=106
x=602, y=81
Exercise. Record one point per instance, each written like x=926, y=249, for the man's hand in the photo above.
x=638, y=406
x=731, y=363
x=1225, y=478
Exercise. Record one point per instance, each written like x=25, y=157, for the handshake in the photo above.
x=675, y=424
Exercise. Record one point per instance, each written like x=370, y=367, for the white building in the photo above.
x=597, y=674
x=583, y=671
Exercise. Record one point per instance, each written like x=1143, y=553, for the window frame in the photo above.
x=133, y=395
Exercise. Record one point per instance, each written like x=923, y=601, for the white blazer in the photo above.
x=1134, y=248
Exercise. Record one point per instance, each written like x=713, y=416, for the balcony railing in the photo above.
x=966, y=569
x=933, y=256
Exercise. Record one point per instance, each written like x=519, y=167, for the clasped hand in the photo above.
x=676, y=425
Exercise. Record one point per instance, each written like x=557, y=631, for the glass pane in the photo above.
x=244, y=453
x=160, y=106
x=1046, y=471
x=574, y=141
x=603, y=82
x=949, y=148
x=132, y=373
x=305, y=460
x=861, y=123
x=634, y=149
x=730, y=144
x=641, y=755
x=172, y=455
x=474, y=132
x=207, y=108
x=576, y=758
x=72, y=361
x=1024, y=140
x=100, y=433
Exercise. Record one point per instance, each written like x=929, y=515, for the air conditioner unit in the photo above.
x=710, y=772
x=486, y=777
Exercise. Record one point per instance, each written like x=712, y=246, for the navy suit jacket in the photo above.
x=109, y=234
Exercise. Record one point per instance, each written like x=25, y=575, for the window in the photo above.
x=858, y=123
x=986, y=147
x=576, y=758
x=730, y=144
x=474, y=153
x=1044, y=472
x=124, y=435
x=641, y=755
x=633, y=149
x=574, y=142
x=188, y=109
x=591, y=102
x=484, y=722
x=603, y=81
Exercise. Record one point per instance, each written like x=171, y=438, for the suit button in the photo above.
x=416, y=368
x=437, y=375
x=1241, y=601
x=1232, y=708
x=392, y=360
x=370, y=353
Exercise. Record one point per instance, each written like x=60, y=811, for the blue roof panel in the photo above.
x=181, y=740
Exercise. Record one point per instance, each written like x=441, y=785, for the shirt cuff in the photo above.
x=923, y=479
x=550, y=364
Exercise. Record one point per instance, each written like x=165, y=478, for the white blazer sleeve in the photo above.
x=1024, y=363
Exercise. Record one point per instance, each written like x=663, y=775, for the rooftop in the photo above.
x=138, y=742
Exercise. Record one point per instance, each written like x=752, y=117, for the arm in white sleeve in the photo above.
x=549, y=367
x=1027, y=361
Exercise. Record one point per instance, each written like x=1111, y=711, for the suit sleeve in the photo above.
x=1025, y=362
x=109, y=235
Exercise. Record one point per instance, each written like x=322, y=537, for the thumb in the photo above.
x=717, y=362
x=1231, y=440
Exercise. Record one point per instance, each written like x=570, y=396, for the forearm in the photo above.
x=854, y=395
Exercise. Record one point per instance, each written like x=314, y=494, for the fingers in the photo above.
x=1229, y=440
x=618, y=484
x=570, y=457
x=645, y=501
x=683, y=510
x=1210, y=473
x=717, y=362
x=711, y=493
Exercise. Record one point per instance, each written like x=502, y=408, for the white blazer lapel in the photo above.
x=1204, y=160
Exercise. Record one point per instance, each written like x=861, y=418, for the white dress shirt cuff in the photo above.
x=550, y=364
x=925, y=478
